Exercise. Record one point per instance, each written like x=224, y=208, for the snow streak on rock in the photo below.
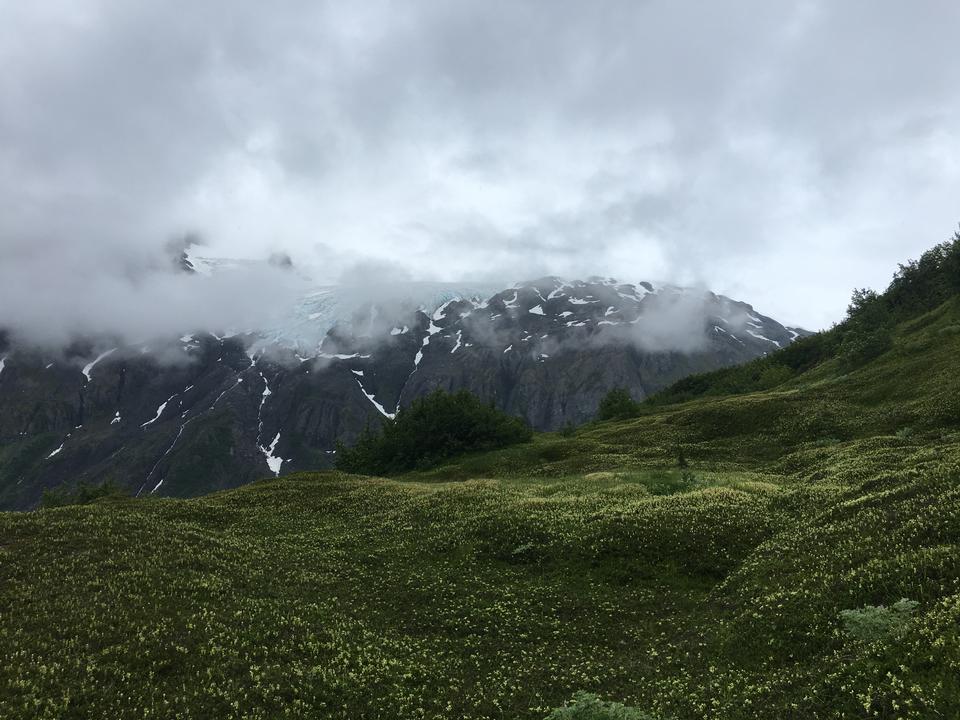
x=88, y=368
x=157, y=463
x=431, y=331
x=163, y=406
x=273, y=462
x=373, y=400
x=761, y=337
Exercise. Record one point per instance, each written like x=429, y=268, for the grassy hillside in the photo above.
x=759, y=582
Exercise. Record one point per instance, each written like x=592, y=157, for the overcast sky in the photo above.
x=777, y=152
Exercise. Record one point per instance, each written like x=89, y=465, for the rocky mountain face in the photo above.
x=208, y=412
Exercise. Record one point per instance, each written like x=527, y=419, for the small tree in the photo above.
x=431, y=430
x=617, y=405
x=868, y=328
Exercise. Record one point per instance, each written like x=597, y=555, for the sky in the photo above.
x=779, y=153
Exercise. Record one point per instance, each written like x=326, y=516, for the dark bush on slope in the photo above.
x=617, y=405
x=432, y=429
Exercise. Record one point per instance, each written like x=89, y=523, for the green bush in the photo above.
x=876, y=622
x=617, y=405
x=585, y=706
x=434, y=428
x=773, y=375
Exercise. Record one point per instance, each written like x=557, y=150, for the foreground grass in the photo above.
x=349, y=597
x=339, y=596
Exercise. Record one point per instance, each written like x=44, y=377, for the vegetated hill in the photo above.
x=208, y=412
x=805, y=563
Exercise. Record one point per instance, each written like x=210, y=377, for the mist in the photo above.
x=50, y=299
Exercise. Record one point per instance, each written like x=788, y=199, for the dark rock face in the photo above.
x=210, y=413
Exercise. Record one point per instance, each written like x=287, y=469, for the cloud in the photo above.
x=780, y=153
x=133, y=298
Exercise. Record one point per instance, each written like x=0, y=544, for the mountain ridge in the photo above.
x=208, y=411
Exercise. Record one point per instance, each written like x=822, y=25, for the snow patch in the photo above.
x=373, y=400
x=163, y=406
x=273, y=462
x=116, y=418
x=441, y=311
x=431, y=331
x=341, y=356
x=459, y=342
x=220, y=396
x=169, y=450
x=537, y=310
x=398, y=331
x=55, y=452
x=761, y=337
x=88, y=368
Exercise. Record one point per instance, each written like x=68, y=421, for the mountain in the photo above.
x=210, y=411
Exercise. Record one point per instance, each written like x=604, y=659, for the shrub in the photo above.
x=876, y=622
x=860, y=347
x=585, y=706
x=617, y=405
x=773, y=375
x=434, y=428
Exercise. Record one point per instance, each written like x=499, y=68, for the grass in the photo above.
x=501, y=584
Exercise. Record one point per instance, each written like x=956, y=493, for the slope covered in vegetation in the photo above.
x=804, y=564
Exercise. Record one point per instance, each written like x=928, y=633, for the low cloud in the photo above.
x=782, y=153
x=133, y=298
